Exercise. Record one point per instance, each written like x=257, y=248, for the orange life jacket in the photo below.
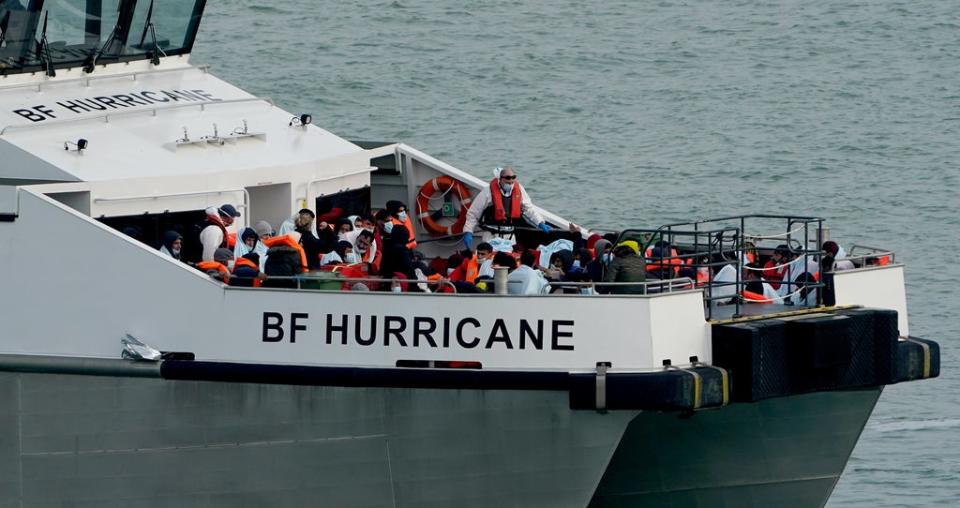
x=206, y=266
x=288, y=241
x=249, y=264
x=499, y=213
x=232, y=239
x=752, y=297
x=654, y=263
x=412, y=244
x=472, y=269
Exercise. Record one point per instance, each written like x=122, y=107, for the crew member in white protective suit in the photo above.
x=499, y=207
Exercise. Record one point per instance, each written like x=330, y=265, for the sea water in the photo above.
x=621, y=114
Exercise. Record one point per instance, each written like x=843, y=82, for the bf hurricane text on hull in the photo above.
x=99, y=103
x=419, y=331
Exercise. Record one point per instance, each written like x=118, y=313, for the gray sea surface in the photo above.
x=620, y=114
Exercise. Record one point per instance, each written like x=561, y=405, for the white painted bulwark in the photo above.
x=880, y=286
x=114, y=285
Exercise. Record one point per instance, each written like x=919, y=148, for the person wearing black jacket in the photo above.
x=396, y=255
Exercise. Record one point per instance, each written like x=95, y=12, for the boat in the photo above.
x=130, y=377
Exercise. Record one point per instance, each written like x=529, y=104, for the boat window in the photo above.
x=37, y=34
x=343, y=204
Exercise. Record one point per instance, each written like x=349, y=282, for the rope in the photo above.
x=782, y=235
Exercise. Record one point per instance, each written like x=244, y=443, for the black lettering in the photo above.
x=559, y=334
x=174, y=97
x=296, y=327
x=342, y=329
x=107, y=101
x=141, y=97
x=389, y=329
x=205, y=94
x=30, y=115
x=446, y=332
x=358, y=336
x=536, y=339
x=92, y=104
x=499, y=333
x=154, y=96
x=76, y=107
x=427, y=333
x=127, y=99
x=476, y=340
x=186, y=94
x=276, y=326
x=45, y=110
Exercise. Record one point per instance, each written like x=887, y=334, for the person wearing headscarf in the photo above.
x=343, y=227
x=597, y=267
x=171, y=244
x=250, y=242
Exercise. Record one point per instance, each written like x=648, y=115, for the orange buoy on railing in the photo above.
x=442, y=185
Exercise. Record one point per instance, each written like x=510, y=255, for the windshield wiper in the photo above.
x=119, y=35
x=43, y=49
x=148, y=25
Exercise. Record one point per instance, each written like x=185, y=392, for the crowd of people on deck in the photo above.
x=378, y=251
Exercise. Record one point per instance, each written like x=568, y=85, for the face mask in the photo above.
x=230, y=265
x=608, y=257
x=506, y=186
x=175, y=252
x=402, y=216
x=396, y=289
x=351, y=258
x=362, y=248
x=387, y=227
x=370, y=229
x=576, y=263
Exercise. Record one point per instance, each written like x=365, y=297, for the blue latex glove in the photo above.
x=468, y=240
x=544, y=227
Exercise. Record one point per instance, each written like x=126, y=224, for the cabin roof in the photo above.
x=132, y=124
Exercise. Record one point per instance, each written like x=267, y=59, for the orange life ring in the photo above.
x=442, y=184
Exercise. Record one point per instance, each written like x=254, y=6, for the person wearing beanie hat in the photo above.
x=603, y=254
x=264, y=229
x=220, y=266
x=246, y=271
x=627, y=266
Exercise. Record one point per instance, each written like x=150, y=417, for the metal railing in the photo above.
x=706, y=246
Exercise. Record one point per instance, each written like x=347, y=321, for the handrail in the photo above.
x=679, y=284
x=205, y=68
x=339, y=280
x=139, y=111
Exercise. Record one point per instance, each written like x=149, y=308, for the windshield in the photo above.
x=70, y=33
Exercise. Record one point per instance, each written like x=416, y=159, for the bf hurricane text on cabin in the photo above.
x=84, y=105
x=419, y=331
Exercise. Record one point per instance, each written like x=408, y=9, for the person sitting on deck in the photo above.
x=250, y=242
x=246, y=271
x=561, y=263
x=263, y=229
x=757, y=290
x=776, y=266
x=627, y=266
x=343, y=254
x=219, y=268
x=400, y=217
x=213, y=234
x=603, y=249
x=663, y=261
x=343, y=227
x=835, y=252
x=171, y=245
x=501, y=206
x=526, y=279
